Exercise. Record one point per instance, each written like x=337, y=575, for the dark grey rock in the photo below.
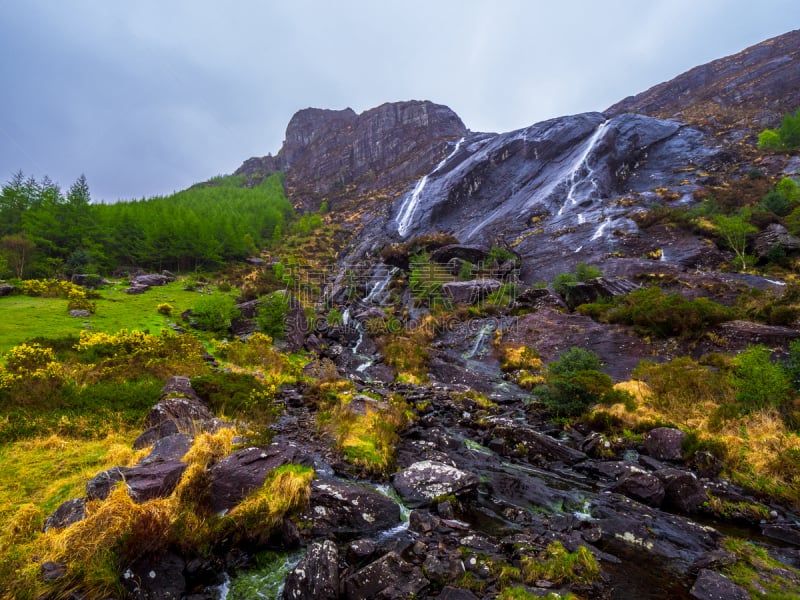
x=235, y=476
x=174, y=408
x=682, y=490
x=664, y=443
x=422, y=482
x=69, y=512
x=6, y=289
x=474, y=254
x=170, y=448
x=53, y=570
x=137, y=289
x=316, y=576
x=539, y=447
x=154, y=578
x=784, y=532
x=144, y=482
x=151, y=279
x=711, y=585
x=775, y=234
x=470, y=292
x=451, y=593
x=640, y=486
x=585, y=292
x=346, y=510
x=388, y=578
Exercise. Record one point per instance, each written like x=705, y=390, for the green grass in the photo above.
x=26, y=318
x=47, y=471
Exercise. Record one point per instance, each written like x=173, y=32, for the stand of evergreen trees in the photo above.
x=45, y=232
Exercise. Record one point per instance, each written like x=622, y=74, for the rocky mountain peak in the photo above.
x=328, y=154
x=754, y=87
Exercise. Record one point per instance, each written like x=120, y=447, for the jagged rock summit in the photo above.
x=330, y=154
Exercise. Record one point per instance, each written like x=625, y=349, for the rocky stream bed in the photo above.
x=477, y=492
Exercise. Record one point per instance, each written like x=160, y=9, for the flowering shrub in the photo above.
x=79, y=301
x=31, y=369
x=49, y=288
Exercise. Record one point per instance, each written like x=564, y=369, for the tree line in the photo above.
x=45, y=232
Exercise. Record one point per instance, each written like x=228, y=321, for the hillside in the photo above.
x=557, y=362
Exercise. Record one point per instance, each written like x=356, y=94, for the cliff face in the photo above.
x=328, y=154
x=754, y=87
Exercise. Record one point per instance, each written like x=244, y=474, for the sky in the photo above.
x=146, y=97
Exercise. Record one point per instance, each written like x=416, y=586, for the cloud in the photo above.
x=148, y=97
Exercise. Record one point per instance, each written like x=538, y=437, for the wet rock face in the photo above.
x=316, y=576
x=423, y=481
x=343, y=510
x=550, y=190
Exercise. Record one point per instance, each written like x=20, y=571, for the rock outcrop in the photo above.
x=328, y=153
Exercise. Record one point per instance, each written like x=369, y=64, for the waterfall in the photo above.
x=404, y=217
x=376, y=294
x=480, y=340
x=576, y=175
x=599, y=231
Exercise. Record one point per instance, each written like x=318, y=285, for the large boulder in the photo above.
x=470, y=292
x=144, y=482
x=422, y=482
x=775, y=235
x=169, y=448
x=151, y=279
x=474, y=254
x=710, y=585
x=585, y=292
x=235, y=476
x=641, y=486
x=388, y=578
x=69, y=512
x=346, y=510
x=177, y=408
x=316, y=576
x=664, y=443
x=6, y=289
x=682, y=490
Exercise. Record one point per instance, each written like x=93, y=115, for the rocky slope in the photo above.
x=754, y=87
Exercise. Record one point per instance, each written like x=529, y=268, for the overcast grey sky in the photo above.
x=147, y=97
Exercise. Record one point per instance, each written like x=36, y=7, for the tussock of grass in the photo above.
x=117, y=530
x=558, y=566
x=761, y=575
x=210, y=448
x=286, y=489
x=366, y=440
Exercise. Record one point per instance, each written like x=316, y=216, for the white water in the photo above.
x=601, y=228
x=575, y=176
x=480, y=340
x=376, y=294
x=389, y=492
x=406, y=214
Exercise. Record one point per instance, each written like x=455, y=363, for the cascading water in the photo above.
x=406, y=214
x=480, y=340
x=601, y=228
x=576, y=175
